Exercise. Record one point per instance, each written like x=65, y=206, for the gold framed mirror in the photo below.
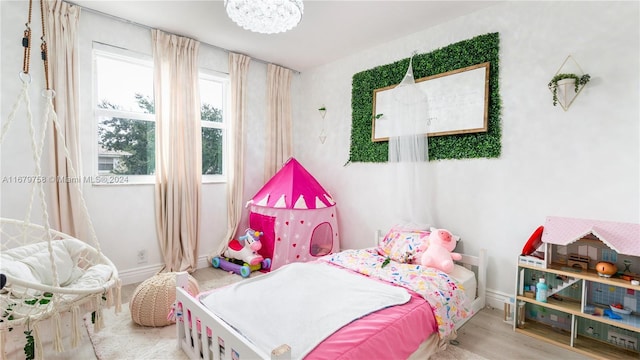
x=457, y=103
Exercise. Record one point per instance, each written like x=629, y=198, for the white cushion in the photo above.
x=32, y=263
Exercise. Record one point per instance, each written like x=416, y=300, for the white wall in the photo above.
x=581, y=163
x=123, y=215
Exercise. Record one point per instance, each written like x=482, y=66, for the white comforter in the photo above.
x=300, y=304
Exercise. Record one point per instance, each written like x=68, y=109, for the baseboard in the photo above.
x=139, y=274
x=496, y=299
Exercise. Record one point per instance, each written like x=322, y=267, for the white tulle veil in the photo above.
x=408, y=151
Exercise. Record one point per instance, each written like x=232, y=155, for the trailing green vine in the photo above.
x=93, y=313
x=29, y=347
x=46, y=298
x=8, y=313
x=477, y=50
x=579, y=81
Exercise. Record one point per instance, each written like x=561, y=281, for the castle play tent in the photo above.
x=297, y=216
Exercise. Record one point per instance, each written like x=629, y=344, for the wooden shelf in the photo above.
x=583, y=345
x=544, y=332
x=629, y=322
x=568, y=306
x=590, y=275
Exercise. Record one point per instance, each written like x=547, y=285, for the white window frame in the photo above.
x=117, y=53
x=100, y=49
x=210, y=75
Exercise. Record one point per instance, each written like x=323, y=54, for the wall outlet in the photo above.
x=142, y=256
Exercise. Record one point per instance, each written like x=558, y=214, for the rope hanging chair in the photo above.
x=46, y=272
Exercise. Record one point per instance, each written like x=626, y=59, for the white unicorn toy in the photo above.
x=245, y=248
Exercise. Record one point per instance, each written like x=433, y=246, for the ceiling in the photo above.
x=329, y=30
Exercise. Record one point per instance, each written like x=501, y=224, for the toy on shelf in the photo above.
x=241, y=256
x=606, y=269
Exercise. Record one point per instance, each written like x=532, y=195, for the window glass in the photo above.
x=123, y=82
x=124, y=112
x=212, y=113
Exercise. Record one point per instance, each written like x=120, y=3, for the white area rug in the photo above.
x=15, y=341
x=123, y=339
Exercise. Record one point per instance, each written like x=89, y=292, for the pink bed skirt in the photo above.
x=395, y=332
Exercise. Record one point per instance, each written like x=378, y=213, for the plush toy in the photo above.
x=437, y=250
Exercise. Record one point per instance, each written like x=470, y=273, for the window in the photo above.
x=609, y=255
x=321, y=240
x=124, y=112
x=213, y=100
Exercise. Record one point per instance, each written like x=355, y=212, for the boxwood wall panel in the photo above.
x=480, y=49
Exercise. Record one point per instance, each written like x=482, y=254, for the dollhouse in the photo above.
x=592, y=305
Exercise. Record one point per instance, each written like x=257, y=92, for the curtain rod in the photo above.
x=97, y=12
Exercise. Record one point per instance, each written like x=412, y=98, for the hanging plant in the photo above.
x=579, y=81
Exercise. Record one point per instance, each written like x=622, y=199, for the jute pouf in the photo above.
x=152, y=300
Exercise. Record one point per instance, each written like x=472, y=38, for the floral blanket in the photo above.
x=445, y=295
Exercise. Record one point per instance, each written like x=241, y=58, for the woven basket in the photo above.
x=152, y=300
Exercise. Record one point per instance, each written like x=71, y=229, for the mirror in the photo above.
x=457, y=103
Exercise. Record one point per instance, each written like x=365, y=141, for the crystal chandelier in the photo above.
x=265, y=16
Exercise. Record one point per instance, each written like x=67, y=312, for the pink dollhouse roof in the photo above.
x=293, y=187
x=624, y=238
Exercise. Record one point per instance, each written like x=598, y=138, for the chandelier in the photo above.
x=265, y=16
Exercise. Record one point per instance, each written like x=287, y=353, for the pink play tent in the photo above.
x=297, y=216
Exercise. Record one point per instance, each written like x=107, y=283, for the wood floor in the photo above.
x=487, y=334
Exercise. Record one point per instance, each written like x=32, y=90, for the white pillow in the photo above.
x=32, y=263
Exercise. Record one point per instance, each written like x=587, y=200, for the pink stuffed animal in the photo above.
x=438, y=252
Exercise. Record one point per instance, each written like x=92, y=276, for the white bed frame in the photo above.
x=477, y=264
x=226, y=343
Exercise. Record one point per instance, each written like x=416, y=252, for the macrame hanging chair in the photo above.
x=48, y=273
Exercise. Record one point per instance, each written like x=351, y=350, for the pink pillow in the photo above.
x=401, y=245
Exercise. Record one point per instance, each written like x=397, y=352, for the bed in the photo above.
x=415, y=325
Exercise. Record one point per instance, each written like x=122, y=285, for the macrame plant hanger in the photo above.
x=23, y=302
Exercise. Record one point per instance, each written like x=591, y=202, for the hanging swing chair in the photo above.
x=47, y=273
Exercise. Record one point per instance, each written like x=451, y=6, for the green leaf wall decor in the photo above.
x=480, y=49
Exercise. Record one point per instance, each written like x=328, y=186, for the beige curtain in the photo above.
x=238, y=69
x=178, y=149
x=279, y=122
x=61, y=28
